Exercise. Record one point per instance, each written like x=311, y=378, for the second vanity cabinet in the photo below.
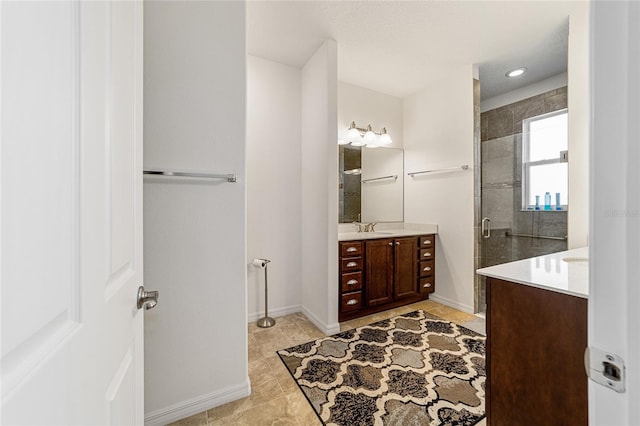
x=378, y=274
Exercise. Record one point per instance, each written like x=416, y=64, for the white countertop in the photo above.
x=387, y=233
x=564, y=272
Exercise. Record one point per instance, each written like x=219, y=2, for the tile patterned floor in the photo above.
x=275, y=398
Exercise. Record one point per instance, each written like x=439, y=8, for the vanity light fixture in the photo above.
x=358, y=136
x=516, y=72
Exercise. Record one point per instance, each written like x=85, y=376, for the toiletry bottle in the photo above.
x=547, y=201
x=537, y=202
x=558, y=205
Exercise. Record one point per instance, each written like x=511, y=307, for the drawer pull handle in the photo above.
x=427, y=254
x=352, y=282
x=351, y=264
x=428, y=268
x=426, y=242
x=352, y=302
x=351, y=249
x=427, y=285
x=390, y=244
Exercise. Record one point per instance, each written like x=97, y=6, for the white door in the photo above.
x=72, y=348
x=614, y=316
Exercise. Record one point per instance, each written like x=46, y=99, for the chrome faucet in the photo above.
x=365, y=227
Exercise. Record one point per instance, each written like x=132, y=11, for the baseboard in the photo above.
x=197, y=405
x=277, y=312
x=451, y=303
x=327, y=329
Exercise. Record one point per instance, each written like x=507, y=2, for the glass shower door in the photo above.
x=512, y=228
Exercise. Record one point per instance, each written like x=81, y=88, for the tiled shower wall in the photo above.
x=501, y=185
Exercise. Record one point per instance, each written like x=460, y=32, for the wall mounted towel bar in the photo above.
x=448, y=169
x=379, y=178
x=167, y=173
x=541, y=237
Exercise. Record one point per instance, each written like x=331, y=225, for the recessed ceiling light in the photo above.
x=517, y=72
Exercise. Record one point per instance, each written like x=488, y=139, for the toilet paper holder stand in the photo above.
x=267, y=321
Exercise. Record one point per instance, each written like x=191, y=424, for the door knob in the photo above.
x=147, y=299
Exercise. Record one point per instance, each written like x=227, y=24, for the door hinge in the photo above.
x=605, y=368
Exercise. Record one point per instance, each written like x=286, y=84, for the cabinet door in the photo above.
x=379, y=271
x=405, y=267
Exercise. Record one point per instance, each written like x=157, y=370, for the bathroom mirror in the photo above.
x=371, y=185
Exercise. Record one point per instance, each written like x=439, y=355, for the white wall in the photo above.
x=579, y=126
x=438, y=132
x=273, y=185
x=529, y=91
x=319, y=200
x=194, y=232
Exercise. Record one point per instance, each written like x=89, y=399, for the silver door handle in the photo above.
x=147, y=299
x=427, y=269
x=486, y=227
x=352, y=282
x=351, y=264
x=351, y=249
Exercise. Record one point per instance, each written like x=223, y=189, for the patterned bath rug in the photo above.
x=412, y=369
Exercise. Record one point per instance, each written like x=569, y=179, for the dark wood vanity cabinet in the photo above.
x=405, y=267
x=535, y=346
x=351, y=262
x=379, y=271
x=378, y=274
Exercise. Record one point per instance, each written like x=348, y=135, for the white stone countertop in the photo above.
x=387, y=233
x=563, y=272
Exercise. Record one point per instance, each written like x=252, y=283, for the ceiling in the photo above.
x=402, y=47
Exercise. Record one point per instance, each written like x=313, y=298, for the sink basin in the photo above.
x=575, y=259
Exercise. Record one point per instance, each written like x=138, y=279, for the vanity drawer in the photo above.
x=351, y=249
x=426, y=268
x=427, y=254
x=351, y=302
x=351, y=281
x=351, y=265
x=427, y=241
x=427, y=285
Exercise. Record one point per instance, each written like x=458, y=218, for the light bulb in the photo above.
x=370, y=137
x=516, y=72
x=353, y=136
x=384, y=138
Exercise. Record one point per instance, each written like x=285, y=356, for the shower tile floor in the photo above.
x=275, y=398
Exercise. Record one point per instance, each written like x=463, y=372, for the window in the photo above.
x=544, y=160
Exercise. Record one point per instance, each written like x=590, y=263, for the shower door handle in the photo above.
x=486, y=227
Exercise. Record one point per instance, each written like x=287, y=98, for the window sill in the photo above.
x=553, y=209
